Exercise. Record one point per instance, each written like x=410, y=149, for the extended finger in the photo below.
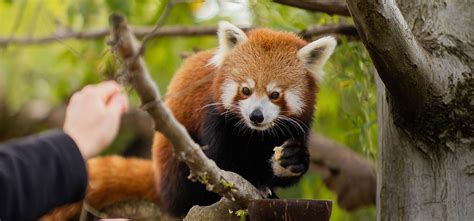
x=106, y=90
x=118, y=103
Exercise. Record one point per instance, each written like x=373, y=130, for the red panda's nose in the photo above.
x=256, y=116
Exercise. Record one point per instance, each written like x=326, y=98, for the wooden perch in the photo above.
x=332, y=7
x=224, y=183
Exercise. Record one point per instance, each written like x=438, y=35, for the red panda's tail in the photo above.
x=112, y=180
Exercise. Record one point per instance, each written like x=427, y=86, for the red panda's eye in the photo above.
x=246, y=91
x=274, y=95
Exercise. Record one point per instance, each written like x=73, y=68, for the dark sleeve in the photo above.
x=39, y=173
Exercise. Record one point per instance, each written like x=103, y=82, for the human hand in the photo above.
x=93, y=116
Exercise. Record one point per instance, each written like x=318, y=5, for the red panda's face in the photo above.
x=264, y=93
x=267, y=77
x=261, y=105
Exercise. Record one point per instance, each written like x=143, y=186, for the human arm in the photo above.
x=42, y=172
x=38, y=173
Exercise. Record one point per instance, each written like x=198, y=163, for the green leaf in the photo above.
x=242, y=213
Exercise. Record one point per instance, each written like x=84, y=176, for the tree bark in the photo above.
x=423, y=52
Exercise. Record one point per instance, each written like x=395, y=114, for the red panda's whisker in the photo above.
x=240, y=125
x=278, y=123
x=296, y=119
x=230, y=110
x=292, y=117
x=275, y=129
x=231, y=117
x=293, y=122
x=286, y=127
x=211, y=105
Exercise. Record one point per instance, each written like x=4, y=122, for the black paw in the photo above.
x=290, y=159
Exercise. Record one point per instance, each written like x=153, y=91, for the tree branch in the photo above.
x=216, y=211
x=340, y=168
x=101, y=33
x=332, y=7
x=224, y=183
x=317, y=31
x=183, y=31
x=402, y=63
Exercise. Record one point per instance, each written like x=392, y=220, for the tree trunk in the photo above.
x=417, y=181
x=423, y=52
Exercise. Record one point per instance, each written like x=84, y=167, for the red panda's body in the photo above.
x=195, y=96
x=256, y=92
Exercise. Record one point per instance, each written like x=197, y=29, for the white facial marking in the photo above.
x=269, y=110
x=229, y=91
x=251, y=83
x=294, y=101
x=273, y=87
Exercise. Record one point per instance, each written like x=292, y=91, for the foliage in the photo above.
x=346, y=103
x=242, y=214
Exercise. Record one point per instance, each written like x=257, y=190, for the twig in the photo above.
x=224, y=183
x=333, y=7
x=158, y=24
x=140, y=32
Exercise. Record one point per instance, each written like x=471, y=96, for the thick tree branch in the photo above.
x=340, y=168
x=341, y=29
x=224, y=183
x=402, y=63
x=183, y=31
x=332, y=7
x=217, y=211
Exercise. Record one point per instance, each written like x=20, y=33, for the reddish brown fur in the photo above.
x=267, y=56
x=195, y=84
x=112, y=179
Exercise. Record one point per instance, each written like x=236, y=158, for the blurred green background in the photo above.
x=44, y=76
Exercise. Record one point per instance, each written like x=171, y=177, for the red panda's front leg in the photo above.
x=289, y=162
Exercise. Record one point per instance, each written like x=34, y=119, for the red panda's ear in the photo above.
x=229, y=36
x=315, y=54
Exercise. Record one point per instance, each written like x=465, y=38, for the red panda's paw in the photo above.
x=290, y=159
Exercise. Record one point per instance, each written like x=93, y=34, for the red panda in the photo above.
x=254, y=93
